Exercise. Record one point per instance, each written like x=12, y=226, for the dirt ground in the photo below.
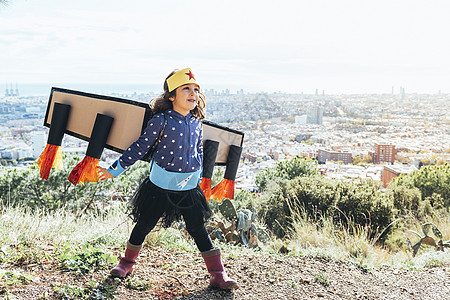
x=179, y=274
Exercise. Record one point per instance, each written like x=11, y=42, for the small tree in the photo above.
x=367, y=159
x=357, y=160
x=287, y=170
x=440, y=162
x=425, y=161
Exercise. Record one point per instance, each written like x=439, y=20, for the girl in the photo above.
x=171, y=190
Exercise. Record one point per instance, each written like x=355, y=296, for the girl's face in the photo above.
x=186, y=98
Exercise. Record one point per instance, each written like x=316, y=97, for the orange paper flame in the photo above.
x=51, y=157
x=205, y=185
x=85, y=171
x=225, y=189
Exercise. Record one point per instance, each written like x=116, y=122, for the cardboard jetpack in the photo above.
x=115, y=123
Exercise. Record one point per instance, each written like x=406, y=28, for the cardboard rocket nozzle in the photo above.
x=210, y=149
x=51, y=157
x=87, y=169
x=225, y=188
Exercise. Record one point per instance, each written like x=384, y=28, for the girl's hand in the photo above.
x=103, y=173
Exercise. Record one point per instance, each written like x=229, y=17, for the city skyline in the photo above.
x=340, y=47
x=132, y=90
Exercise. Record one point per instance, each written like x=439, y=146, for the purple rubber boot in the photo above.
x=219, y=278
x=127, y=262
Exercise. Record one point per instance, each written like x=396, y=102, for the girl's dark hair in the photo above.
x=162, y=102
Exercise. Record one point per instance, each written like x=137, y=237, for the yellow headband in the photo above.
x=180, y=78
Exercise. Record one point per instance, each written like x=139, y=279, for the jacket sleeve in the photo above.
x=200, y=150
x=200, y=145
x=140, y=147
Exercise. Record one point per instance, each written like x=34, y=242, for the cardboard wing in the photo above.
x=226, y=138
x=130, y=120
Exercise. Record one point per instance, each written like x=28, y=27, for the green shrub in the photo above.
x=71, y=292
x=247, y=200
x=264, y=177
x=10, y=279
x=361, y=203
x=22, y=254
x=322, y=279
x=84, y=260
x=288, y=169
x=139, y=285
x=316, y=195
x=429, y=180
x=406, y=199
x=25, y=187
x=274, y=209
x=365, y=204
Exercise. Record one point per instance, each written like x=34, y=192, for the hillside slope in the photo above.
x=179, y=274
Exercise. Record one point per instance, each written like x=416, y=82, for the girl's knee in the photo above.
x=197, y=231
x=144, y=228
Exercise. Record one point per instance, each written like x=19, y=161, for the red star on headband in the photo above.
x=191, y=76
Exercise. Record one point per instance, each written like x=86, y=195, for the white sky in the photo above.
x=340, y=46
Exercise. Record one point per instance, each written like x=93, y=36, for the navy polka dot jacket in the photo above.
x=180, y=149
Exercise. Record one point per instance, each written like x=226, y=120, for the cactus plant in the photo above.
x=427, y=240
x=243, y=229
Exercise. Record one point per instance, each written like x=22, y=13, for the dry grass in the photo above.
x=315, y=238
x=19, y=224
x=353, y=242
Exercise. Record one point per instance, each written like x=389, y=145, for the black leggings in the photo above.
x=194, y=224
